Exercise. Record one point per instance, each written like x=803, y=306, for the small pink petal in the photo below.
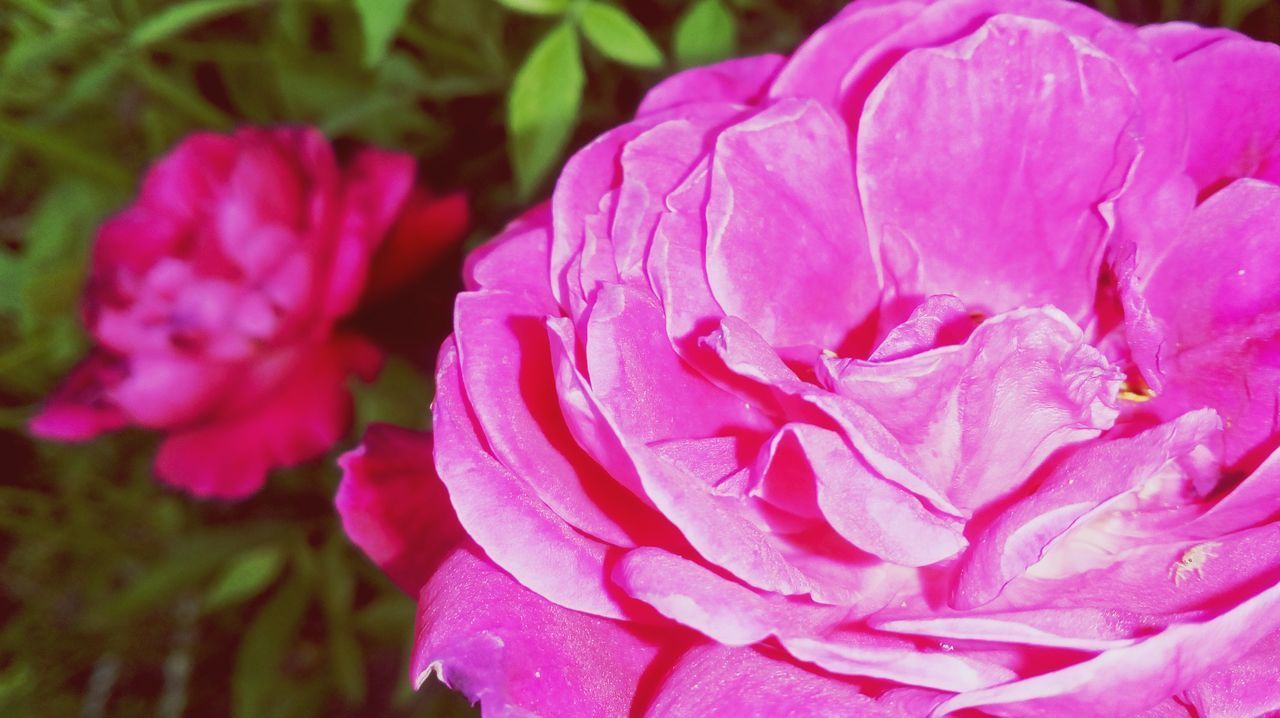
x=394, y=507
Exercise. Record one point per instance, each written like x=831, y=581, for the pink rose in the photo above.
x=824, y=388
x=214, y=301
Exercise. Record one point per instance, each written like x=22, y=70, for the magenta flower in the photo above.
x=213, y=302
x=931, y=370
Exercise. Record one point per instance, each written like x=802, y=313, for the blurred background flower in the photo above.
x=119, y=597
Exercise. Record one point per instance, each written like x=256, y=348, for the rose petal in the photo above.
x=940, y=320
x=1022, y=155
x=1233, y=122
x=394, y=507
x=783, y=223
x=1207, y=335
x=428, y=230
x=299, y=419
x=639, y=378
x=1177, y=39
x=502, y=514
x=1246, y=687
x=516, y=653
x=514, y=260
x=374, y=189
x=1124, y=681
x=1077, y=629
x=874, y=515
x=80, y=409
x=1052, y=526
x=893, y=658
x=817, y=67
x=727, y=612
x=741, y=80
x=505, y=361
x=746, y=683
x=975, y=420
x=718, y=527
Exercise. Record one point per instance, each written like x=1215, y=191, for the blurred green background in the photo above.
x=121, y=598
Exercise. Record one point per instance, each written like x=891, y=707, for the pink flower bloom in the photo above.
x=214, y=299
x=824, y=388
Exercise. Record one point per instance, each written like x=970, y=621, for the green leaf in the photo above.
x=399, y=396
x=1235, y=11
x=176, y=19
x=247, y=576
x=380, y=19
x=387, y=618
x=90, y=84
x=189, y=562
x=615, y=34
x=257, y=673
x=61, y=150
x=536, y=7
x=543, y=107
x=705, y=33
x=336, y=597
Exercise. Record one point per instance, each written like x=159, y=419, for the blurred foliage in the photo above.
x=121, y=598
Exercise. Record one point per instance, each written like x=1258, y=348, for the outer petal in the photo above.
x=505, y=517
x=188, y=180
x=505, y=361
x=520, y=655
x=741, y=80
x=653, y=165
x=1022, y=153
x=747, y=683
x=394, y=507
x=591, y=177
